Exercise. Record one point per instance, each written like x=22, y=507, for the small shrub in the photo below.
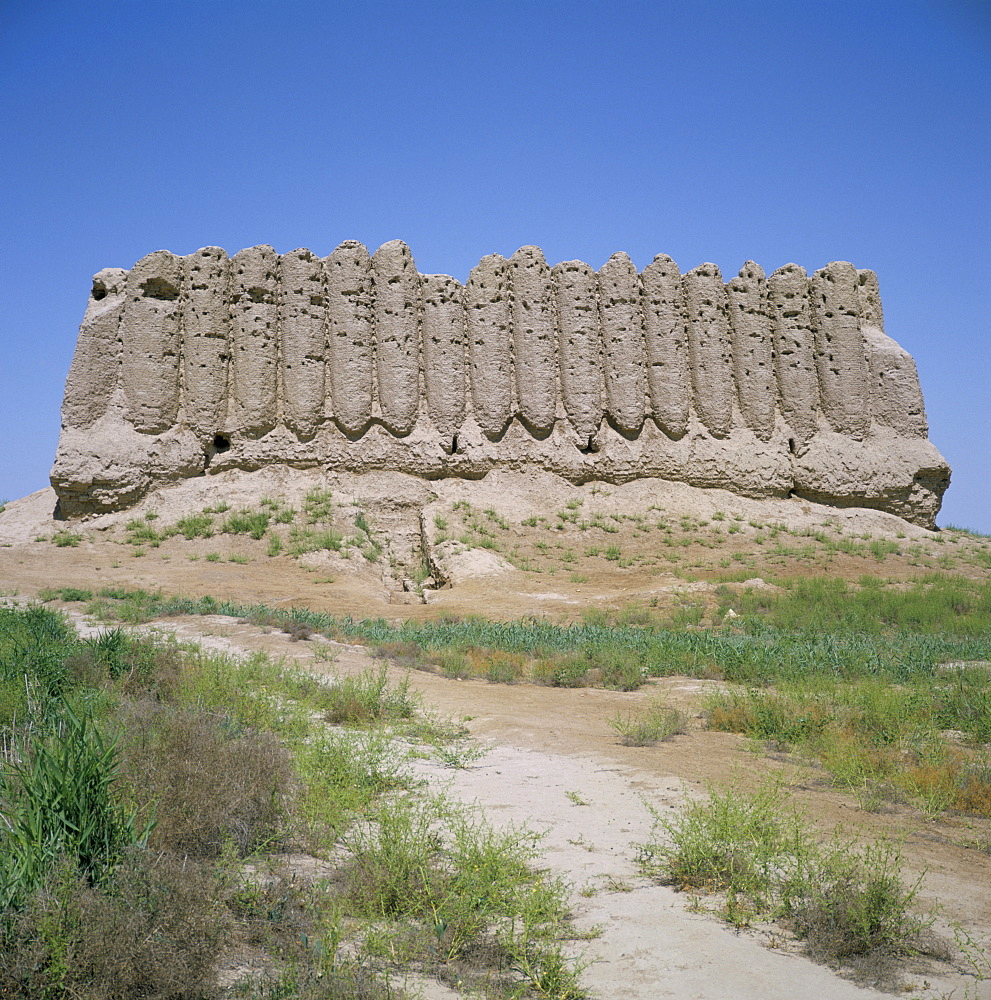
x=499, y=667
x=851, y=907
x=154, y=930
x=651, y=724
x=403, y=654
x=453, y=663
x=367, y=697
x=212, y=783
x=297, y=630
x=561, y=670
x=728, y=842
x=622, y=669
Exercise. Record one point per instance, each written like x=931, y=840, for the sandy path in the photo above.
x=649, y=946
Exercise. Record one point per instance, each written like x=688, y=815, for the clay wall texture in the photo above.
x=768, y=386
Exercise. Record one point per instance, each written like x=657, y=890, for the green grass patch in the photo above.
x=933, y=605
x=748, y=651
x=245, y=522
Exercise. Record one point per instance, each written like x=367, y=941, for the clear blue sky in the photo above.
x=711, y=131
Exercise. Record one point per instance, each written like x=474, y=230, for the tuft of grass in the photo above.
x=318, y=506
x=66, y=539
x=67, y=594
x=244, y=522
x=303, y=540
x=193, y=526
x=651, y=724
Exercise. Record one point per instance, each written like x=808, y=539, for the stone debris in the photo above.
x=770, y=387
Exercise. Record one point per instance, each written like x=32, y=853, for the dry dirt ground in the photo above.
x=509, y=547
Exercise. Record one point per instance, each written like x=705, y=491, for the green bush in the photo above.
x=367, y=697
x=59, y=803
x=67, y=539
x=303, y=540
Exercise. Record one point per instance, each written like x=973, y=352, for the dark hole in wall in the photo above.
x=221, y=443
x=99, y=290
x=791, y=445
x=454, y=444
x=590, y=447
x=159, y=288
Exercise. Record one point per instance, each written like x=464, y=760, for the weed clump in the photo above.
x=213, y=784
x=851, y=907
x=655, y=722
x=155, y=928
x=367, y=697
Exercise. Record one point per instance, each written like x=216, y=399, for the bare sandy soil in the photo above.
x=553, y=762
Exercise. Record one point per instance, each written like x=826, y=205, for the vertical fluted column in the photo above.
x=533, y=337
x=709, y=348
x=579, y=345
x=666, y=343
x=397, y=335
x=150, y=342
x=303, y=332
x=254, y=340
x=621, y=317
x=444, y=374
x=794, y=350
x=840, y=356
x=869, y=300
x=753, y=357
x=95, y=365
x=206, y=345
x=894, y=391
x=489, y=343
x=349, y=319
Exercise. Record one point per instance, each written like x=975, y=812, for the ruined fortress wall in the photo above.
x=768, y=386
